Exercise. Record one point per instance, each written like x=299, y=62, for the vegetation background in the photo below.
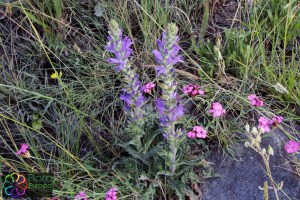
x=232, y=48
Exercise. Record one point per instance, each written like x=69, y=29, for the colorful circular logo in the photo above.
x=15, y=185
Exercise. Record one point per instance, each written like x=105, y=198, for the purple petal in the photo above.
x=109, y=38
x=126, y=98
x=160, y=106
x=110, y=47
x=113, y=61
x=164, y=120
x=179, y=112
x=175, y=50
x=140, y=100
x=126, y=43
x=160, y=44
x=173, y=95
x=176, y=113
x=119, y=67
x=157, y=55
x=173, y=61
x=127, y=53
x=160, y=70
x=164, y=36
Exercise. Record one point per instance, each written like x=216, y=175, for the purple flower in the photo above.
x=173, y=60
x=126, y=98
x=140, y=100
x=160, y=106
x=164, y=120
x=176, y=113
x=160, y=70
x=126, y=42
x=120, y=47
x=166, y=56
x=158, y=57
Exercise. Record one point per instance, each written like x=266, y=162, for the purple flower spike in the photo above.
x=133, y=96
x=166, y=56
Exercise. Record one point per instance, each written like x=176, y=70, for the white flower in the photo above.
x=280, y=88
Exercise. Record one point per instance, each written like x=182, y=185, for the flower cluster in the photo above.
x=192, y=90
x=292, y=146
x=132, y=93
x=198, y=131
x=111, y=194
x=148, y=87
x=166, y=56
x=255, y=101
x=266, y=124
x=216, y=109
x=81, y=196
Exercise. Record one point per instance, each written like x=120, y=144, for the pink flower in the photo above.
x=81, y=196
x=255, y=101
x=192, y=90
x=148, y=87
x=292, y=146
x=191, y=134
x=198, y=131
x=264, y=124
x=277, y=120
x=111, y=194
x=216, y=109
x=23, y=150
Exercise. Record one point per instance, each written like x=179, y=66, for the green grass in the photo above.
x=81, y=113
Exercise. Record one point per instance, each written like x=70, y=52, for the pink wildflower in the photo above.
x=292, y=146
x=264, y=124
x=198, y=131
x=277, y=120
x=111, y=194
x=81, y=196
x=255, y=101
x=192, y=90
x=148, y=87
x=216, y=109
x=23, y=150
x=191, y=134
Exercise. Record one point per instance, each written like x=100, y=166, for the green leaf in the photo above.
x=99, y=9
x=37, y=125
x=134, y=153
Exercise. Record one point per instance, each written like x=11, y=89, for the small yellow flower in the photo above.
x=55, y=75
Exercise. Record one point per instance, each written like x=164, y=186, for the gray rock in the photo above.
x=239, y=179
